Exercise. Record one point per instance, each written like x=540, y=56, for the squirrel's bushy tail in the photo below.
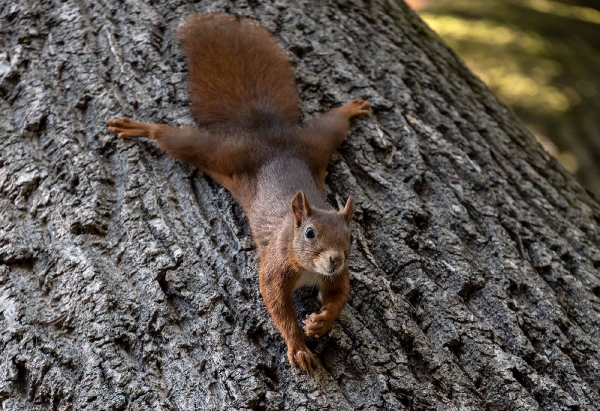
x=238, y=72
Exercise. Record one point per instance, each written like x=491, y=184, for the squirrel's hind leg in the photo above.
x=353, y=108
x=185, y=144
x=325, y=133
x=127, y=128
x=210, y=152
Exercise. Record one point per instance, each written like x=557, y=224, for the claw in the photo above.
x=303, y=359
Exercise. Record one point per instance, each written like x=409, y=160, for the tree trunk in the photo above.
x=129, y=280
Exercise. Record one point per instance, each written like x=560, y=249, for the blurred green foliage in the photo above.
x=542, y=58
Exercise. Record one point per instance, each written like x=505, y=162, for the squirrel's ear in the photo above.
x=348, y=210
x=300, y=208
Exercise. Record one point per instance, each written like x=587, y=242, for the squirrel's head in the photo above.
x=322, y=238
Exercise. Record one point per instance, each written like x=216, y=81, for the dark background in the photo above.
x=542, y=58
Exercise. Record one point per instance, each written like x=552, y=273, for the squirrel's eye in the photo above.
x=309, y=233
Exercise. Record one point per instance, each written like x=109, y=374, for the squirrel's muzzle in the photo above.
x=331, y=262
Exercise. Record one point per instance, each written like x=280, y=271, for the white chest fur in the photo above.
x=309, y=278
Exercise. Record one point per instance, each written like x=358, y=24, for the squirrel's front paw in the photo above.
x=316, y=325
x=302, y=358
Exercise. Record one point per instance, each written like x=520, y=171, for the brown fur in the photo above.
x=242, y=88
x=236, y=69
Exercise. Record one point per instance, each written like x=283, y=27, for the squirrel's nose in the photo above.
x=336, y=259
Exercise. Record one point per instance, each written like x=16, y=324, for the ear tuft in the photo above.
x=300, y=208
x=348, y=210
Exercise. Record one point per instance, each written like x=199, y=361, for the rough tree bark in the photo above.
x=128, y=280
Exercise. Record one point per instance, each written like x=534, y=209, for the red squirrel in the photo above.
x=243, y=93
